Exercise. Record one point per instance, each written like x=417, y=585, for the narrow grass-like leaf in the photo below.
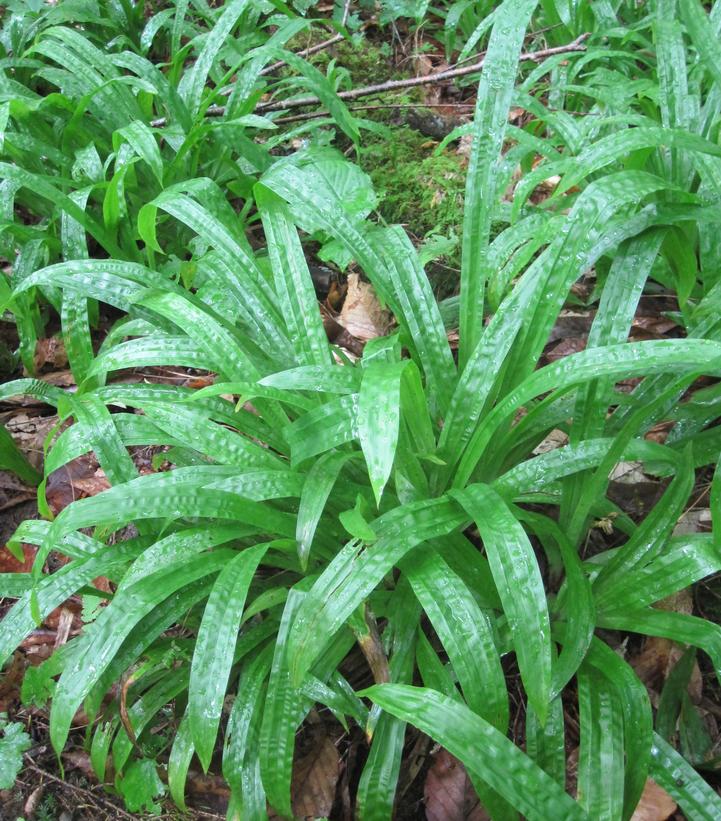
x=496, y=761
x=515, y=568
x=181, y=754
x=108, y=632
x=353, y=574
x=215, y=643
x=490, y=119
x=379, y=420
x=317, y=488
x=292, y=279
x=472, y=651
x=284, y=709
x=601, y=749
x=674, y=774
x=193, y=83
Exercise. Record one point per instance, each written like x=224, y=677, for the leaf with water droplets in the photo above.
x=486, y=753
x=518, y=579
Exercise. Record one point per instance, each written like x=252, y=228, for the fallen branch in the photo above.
x=410, y=82
x=89, y=795
x=315, y=115
x=395, y=85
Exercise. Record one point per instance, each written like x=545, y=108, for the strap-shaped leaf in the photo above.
x=108, y=632
x=601, y=749
x=317, y=487
x=486, y=753
x=472, y=650
x=354, y=573
x=284, y=709
x=673, y=773
x=214, y=646
x=379, y=420
x=619, y=361
x=491, y=116
x=515, y=569
x=193, y=83
x=181, y=754
x=292, y=280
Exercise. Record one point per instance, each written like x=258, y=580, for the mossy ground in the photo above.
x=421, y=190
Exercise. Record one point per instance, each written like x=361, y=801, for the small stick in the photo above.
x=119, y=812
x=314, y=115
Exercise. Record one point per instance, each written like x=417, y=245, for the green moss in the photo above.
x=416, y=188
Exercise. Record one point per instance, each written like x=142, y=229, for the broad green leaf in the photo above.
x=472, y=651
x=496, y=761
x=215, y=643
x=491, y=115
x=515, y=568
x=379, y=420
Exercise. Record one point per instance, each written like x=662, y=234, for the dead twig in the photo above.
x=126, y=680
x=410, y=82
x=395, y=85
x=88, y=794
x=314, y=115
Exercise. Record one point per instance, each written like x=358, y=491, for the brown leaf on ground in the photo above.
x=448, y=792
x=555, y=439
x=33, y=800
x=13, y=491
x=61, y=379
x=651, y=327
x=655, y=804
x=315, y=777
x=29, y=430
x=9, y=564
x=659, y=655
x=544, y=189
x=633, y=490
x=79, y=478
x=566, y=347
x=571, y=323
x=80, y=760
x=207, y=791
x=50, y=354
x=697, y=520
x=362, y=314
x=659, y=432
x=10, y=682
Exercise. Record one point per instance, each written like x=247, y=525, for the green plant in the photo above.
x=13, y=743
x=393, y=504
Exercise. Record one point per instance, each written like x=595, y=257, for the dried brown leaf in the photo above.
x=448, y=792
x=80, y=477
x=655, y=804
x=315, y=777
x=362, y=314
x=50, y=354
x=566, y=347
x=9, y=564
x=660, y=655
